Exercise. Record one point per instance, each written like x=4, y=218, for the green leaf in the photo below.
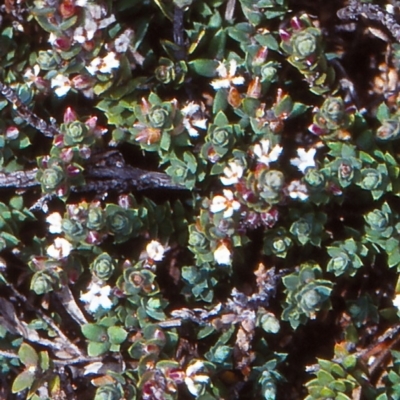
x=44, y=360
x=23, y=381
x=383, y=112
x=221, y=354
x=96, y=333
x=28, y=355
x=221, y=120
x=220, y=101
x=117, y=334
x=204, y=67
x=17, y=202
x=95, y=348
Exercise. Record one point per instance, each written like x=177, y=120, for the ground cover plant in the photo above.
x=199, y=199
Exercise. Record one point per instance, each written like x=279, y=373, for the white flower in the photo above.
x=103, y=65
x=189, y=120
x=59, y=249
x=263, y=153
x=396, y=301
x=222, y=255
x=297, y=190
x=62, y=85
x=31, y=74
x=155, y=250
x=123, y=41
x=227, y=78
x=304, y=160
x=224, y=203
x=233, y=172
x=54, y=219
x=97, y=296
x=196, y=382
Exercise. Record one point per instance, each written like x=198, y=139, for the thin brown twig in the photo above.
x=26, y=114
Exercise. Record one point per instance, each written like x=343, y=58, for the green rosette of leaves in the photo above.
x=277, y=242
x=76, y=133
x=45, y=281
x=390, y=124
x=331, y=120
x=136, y=280
x=306, y=294
x=270, y=185
x=158, y=125
x=378, y=224
x=75, y=231
x=96, y=220
x=168, y=72
x=303, y=45
x=309, y=228
x=220, y=139
x=345, y=257
x=109, y=392
x=103, y=266
x=122, y=223
x=51, y=175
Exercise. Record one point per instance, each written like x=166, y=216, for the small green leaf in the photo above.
x=95, y=348
x=23, y=381
x=28, y=355
x=44, y=360
x=117, y=334
x=96, y=333
x=204, y=67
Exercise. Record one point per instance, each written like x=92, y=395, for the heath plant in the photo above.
x=199, y=199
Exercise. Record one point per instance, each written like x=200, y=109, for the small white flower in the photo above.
x=233, y=172
x=59, y=249
x=196, y=382
x=222, y=255
x=304, y=160
x=54, y=219
x=227, y=78
x=62, y=85
x=264, y=154
x=103, y=65
x=123, y=41
x=297, y=190
x=190, y=121
x=97, y=296
x=396, y=301
x=31, y=74
x=155, y=250
x=224, y=203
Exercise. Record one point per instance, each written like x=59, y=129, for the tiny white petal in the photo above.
x=275, y=153
x=218, y=204
x=228, y=194
x=221, y=70
x=195, y=367
x=54, y=219
x=220, y=83
x=200, y=123
x=396, y=301
x=238, y=80
x=232, y=67
x=190, y=109
x=193, y=389
x=61, y=248
x=106, y=21
x=155, y=250
x=222, y=255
